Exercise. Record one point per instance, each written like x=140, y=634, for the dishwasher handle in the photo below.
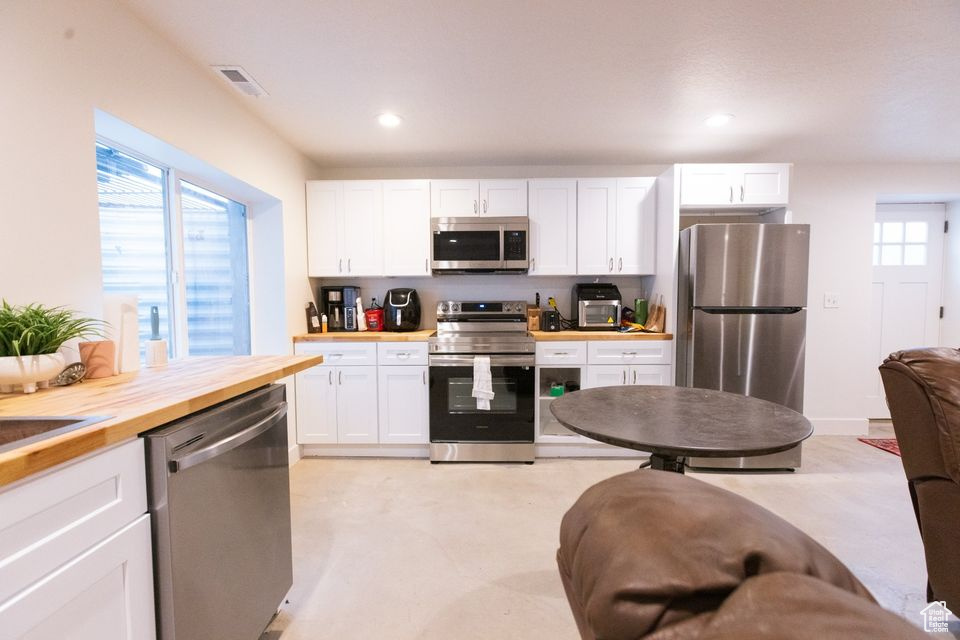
x=230, y=442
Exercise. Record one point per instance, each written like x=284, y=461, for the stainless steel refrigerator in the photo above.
x=741, y=319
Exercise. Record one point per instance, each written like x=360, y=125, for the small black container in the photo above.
x=550, y=320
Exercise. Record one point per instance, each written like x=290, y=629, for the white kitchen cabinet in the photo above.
x=610, y=375
x=457, y=198
x=404, y=404
x=406, y=227
x=616, y=226
x=75, y=551
x=629, y=352
x=345, y=228
x=337, y=400
x=553, y=227
x=734, y=186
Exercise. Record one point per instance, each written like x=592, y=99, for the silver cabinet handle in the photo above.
x=424, y=373
x=624, y=377
x=330, y=377
x=620, y=264
x=634, y=376
x=475, y=208
x=741, y=193
x=484, y=205
x=340, y=378
x=403, y=355
x=340, y=266
x=731, y=193
x=348, y=265
x=426, y=265
x=533, y=264
x=561, y=353
x=610, y=267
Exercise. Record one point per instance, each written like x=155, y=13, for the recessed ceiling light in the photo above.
x=389, y=120
x=718, y=119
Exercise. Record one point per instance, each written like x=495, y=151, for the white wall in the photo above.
x=839, y=202
x=61, y=60
x=950, y=325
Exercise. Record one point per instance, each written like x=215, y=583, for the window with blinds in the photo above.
x=178, y=247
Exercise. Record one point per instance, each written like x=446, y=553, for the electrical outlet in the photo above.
x=831, y=301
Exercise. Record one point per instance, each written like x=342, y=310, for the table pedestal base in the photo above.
x=667, y=463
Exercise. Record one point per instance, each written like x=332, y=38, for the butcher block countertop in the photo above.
x=136, y=402
x=556, y=336
x=423, y=334
x=367, y=336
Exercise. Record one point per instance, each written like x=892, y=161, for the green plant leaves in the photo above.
x=34, y=329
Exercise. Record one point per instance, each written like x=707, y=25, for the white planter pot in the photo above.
x=27, y=371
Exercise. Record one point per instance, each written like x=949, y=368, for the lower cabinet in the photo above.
x=337, y=405
x=75, y=552
x=611, y=375
x=404, y=404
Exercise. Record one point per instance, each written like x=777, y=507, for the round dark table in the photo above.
x=673, y=423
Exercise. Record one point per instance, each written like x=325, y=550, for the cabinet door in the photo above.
x=596, y=215
x=636, y=226
x=706, y=185
x=361, y=226
x=356, y=404
x=406, y=228
x=653, y=374
x=763, y=185
x=607, y=375
x=404, y=404
x=553, y=227
x=316, y=406
x=451, y=198
x=105, y=593
x=503, y=197
x=324, y=202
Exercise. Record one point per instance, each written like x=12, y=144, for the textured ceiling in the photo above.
x=609, y=81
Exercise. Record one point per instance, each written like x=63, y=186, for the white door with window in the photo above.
x=907, y=273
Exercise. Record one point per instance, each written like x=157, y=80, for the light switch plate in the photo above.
x=831, y=301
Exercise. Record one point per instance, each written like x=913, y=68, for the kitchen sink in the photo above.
x=16, y=431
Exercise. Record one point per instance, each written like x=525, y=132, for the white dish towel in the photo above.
x=482, y=382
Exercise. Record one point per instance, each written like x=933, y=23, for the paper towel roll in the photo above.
x=120, y=312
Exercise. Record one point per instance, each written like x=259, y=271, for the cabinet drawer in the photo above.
x=47, y=521
x=341, y=353
x=553, y=353
x=411, y=353
x=639, y=352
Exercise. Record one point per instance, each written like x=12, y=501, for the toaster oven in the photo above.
x=597, y=306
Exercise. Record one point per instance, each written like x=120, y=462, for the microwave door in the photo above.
x=467, y=249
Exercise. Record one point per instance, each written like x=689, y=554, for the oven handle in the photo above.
x=495, y=361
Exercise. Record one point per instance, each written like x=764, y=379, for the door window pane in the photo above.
x=215, y=272
x=891, y=255
x=916, y=232
x=892, y=232
x=915, y=255
x=133, y=234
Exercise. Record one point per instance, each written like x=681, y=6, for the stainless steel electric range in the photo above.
x=459, y=430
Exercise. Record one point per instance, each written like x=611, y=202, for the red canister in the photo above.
x=374, y=317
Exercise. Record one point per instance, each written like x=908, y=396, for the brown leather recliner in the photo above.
x=923, y=392
x=663, y=556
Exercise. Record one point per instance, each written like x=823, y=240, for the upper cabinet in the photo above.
x=406, y=227
x=344, y=228
x=734, y=186
x=456, y=198
x=553, y=227
x=616, y=226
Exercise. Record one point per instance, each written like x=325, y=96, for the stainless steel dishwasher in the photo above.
x=219, y=493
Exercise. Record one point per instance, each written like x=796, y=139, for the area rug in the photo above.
x=887, y=444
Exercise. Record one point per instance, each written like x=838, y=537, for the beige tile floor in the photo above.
x=403, y=549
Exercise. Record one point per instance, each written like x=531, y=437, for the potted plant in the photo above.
x=30, y=337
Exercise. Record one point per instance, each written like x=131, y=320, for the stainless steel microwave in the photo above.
x=459, y=245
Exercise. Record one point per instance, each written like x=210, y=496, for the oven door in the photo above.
x=466, y=246
x=454, y=416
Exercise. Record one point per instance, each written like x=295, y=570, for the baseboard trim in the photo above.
x=365, y=451
x=840, y=427
x=293, y=454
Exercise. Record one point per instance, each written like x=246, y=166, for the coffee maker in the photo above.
x=340, y=306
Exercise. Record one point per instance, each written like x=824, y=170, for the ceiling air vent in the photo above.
x=242, y=80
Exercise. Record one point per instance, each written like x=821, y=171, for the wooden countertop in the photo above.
x=136, y=402
x=423, y=334
x=366, y=336
x=555, y=336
